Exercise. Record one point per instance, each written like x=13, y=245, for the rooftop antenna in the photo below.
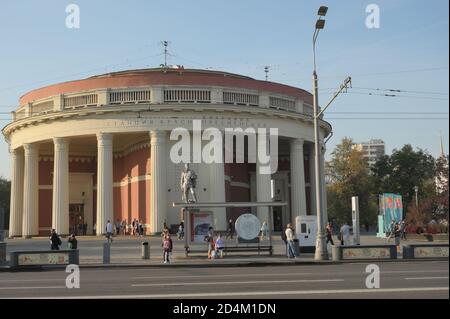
x=266, y=69
x=165, y=44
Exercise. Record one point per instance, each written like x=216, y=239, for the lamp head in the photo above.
x=320, y=24
x=322, y=11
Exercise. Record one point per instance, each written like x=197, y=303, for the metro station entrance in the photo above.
x=77, y=224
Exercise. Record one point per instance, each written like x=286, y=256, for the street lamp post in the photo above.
x=416, y=190
x=321, y=246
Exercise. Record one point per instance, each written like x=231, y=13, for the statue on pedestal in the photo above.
x=188, y=184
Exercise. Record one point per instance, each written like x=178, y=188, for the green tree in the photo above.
x=401, y=172
x=5, y=194
x=348, y=171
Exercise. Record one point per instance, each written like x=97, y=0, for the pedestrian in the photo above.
x=403, y=229
x=329, y=230
x=397, y=236
x=230, y=230
x=72, y=242
x=264, y=230
x=118, y=224
x=133, y=224
x=167, y=248
x=55, y=240
x=181, y=231
x=109, y=231
x=391, y=230
x=141, y=228
x=290, y=236
x=209, y=238
x=136, y=228
x=345, y=235
x=284, y=239
x=220, y=246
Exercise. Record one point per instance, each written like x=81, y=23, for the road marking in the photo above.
x=250, y=293
x=27, y=288
x=285, y=274
x=220, y=276
x=425, y=278
x=236, y=282
x=32, y=280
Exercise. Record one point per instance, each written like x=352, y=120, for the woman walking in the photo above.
x=167, y=248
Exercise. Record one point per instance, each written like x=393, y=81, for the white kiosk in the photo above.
x=306, y=230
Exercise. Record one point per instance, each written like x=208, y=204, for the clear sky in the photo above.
x=409, y=52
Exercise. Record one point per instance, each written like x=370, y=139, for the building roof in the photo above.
x=164, y=76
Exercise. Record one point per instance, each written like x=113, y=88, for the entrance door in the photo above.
x=278, y=218
x=76, y=219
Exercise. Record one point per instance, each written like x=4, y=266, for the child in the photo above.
x=167, y=248
x=220, y=245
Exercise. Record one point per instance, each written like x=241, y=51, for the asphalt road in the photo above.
x=409, y=280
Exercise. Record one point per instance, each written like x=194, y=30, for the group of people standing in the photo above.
x=135, y=228
x=56, y=242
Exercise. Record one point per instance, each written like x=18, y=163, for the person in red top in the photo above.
x=330, y=234
x=167, y=248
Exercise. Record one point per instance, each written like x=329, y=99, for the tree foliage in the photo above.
x=349, y=174
x=401, y=172
x=5, y=194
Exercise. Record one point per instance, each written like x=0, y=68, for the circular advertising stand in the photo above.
x=248, y=226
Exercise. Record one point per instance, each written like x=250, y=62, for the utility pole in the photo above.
x=321, y=245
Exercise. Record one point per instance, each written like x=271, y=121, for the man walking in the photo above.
x=290, y=236
x=403, y=229
x=330, y=234
x=109, y=231
x=230, y=229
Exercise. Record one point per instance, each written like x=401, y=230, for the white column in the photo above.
x=16, y=206
x=60, y=203
x=324, y=186
x=30, y=225
x=217, y=194
x=158, y=201
x=104, y=181
x=312, y=179
x=298, y=194
x=263, y=187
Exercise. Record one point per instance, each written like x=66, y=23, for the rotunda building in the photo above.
x=87, y=151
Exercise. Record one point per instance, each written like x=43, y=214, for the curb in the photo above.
x=213, y=265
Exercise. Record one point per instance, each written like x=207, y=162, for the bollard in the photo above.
x=145, y=252
x=337, y=253
x=106, y=253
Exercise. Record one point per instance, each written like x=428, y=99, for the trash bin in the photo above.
x=429, y=237
x=297, y=247
x=145, y=250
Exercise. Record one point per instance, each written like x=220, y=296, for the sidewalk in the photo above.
x=126, y=252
